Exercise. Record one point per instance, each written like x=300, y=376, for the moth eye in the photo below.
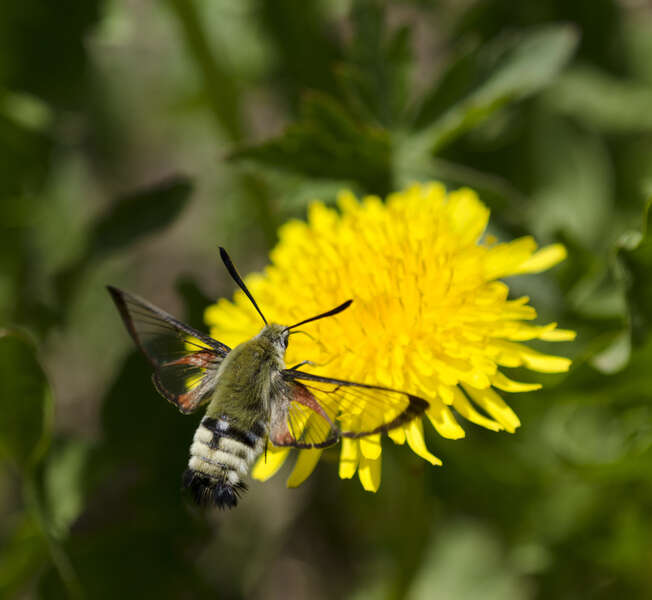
x=285, y=342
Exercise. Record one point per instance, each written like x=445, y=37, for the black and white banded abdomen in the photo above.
x=220, y=458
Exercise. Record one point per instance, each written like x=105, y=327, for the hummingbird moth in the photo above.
x=251, y=398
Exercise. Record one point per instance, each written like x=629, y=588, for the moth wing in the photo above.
x=185, y=361
x=301, y=421
x=322, y=409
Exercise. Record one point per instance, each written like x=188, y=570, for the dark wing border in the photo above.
x=119, y=297
x=135, y=310
x=416, y=405
x=285, y=435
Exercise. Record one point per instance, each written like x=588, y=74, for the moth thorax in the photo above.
x=220, y=458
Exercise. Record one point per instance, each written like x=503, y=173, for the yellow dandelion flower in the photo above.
x=429, y=316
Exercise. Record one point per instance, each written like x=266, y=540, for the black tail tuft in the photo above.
x=207, y=491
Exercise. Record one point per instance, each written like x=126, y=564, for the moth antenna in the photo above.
x=230, y=267
x=330, y=313
x=312, y=337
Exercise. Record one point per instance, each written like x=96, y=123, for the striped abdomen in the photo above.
x=220, y=457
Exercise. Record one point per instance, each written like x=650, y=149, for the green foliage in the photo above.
x=42, y=50
x=23, y=554
x=25, y=411
x=131, y=218
x=138, y=214
x=298, y=34
x=332, y=141
x=636, y=254
x=524, y=66
x=326, y=135
x=602, y=101
x=542, y=107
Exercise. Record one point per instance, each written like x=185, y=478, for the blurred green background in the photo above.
x=136, y=136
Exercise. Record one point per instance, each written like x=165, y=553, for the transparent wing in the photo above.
x=185, y=361
x=320, y=410
x=300, y=421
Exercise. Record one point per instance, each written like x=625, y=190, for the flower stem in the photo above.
x=224, y=100
x=59, y=557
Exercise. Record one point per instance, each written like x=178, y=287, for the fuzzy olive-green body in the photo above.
x=249, y=398
x=247, y=378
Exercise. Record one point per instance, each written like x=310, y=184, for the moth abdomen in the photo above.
x=207, y=491
x=220, y=457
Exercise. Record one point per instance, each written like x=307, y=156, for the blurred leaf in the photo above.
x=26, y=148
x=63, y=484
x=25, y=110
x=636, y=255
x=22, y=555
x=304, y=48
x=465, y=562
x=602, y=101
x=376, y=86
x=25, y=402
x=600, y=21
x=42, y=48
x=195, y=301
x=375, y=76
x=458, y=76
x=136, y=526
x=139, y=214
x=573, y=183
x=222, y=89
x=529, y=63
x=296, y=193
x=616, y=355
x=326, y=142
x=25, y=155
x=638, y=37
x=132, y=217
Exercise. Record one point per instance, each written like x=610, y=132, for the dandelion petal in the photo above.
x=370, y=446
x=306, y=463
x=444, y=422
x=369, y=473
x=348, y=458
x=397, y=435
x=490, y=401
x=543, y=259
x=269, y=463
x=508, y=385
x=414, y=433
x=462, y=405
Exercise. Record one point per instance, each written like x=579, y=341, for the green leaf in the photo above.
x=43, y=49
x=139, y=214
x=602, y=101
x=375, y=78
x=304, y=51
x=220, y=87
x=131, y=218
x=573, y=183
x=467, y=561
x=25, y=402
x=63, y=484
x=636, y=255
x=25, y=156
x=615, y=356
x=134, y=506
x=24, y=552
x=529, y=64
x=456, y=80
x=326, y=142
